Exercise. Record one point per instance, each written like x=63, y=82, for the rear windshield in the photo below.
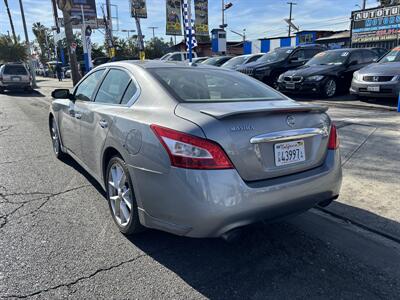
x=213, y=85
x=15, y=70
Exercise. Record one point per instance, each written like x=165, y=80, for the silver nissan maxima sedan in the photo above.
x=195, y=150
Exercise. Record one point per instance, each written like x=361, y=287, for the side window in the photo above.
x=356, y=56
x=254, y=58
x=113, y=87
x=310, y=53
x=129, y=93
x=85, y=90
x=175, y=57
x=299, y=55
x=369, y=57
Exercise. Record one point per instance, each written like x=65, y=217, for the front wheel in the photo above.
x=121, y=198
x=329, y=88
x=55, y=139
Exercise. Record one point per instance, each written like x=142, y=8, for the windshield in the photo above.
x=234, y=62
x=276, y=55
x=392, y=56
x=166, y=56
x=208, y=85
x=329, y=58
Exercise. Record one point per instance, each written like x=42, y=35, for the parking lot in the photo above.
x=58, y=240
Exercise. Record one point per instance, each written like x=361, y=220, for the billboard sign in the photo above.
x=376, y=25
x=174, y=17
x=138, y=9
x=201, y=14
x=89, y=11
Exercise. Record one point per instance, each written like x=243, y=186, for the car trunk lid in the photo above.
x=264, y=139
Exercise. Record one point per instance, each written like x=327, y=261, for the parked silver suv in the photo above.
x=14, y=76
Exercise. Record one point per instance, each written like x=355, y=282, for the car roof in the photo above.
x=348, y=49
x=151, y=64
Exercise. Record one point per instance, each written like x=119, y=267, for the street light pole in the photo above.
x=28, y=46
x=153, y=28
x=364, y=4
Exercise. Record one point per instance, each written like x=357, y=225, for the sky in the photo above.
x=260, y=18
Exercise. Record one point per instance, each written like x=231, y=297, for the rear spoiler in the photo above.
x=220, y=113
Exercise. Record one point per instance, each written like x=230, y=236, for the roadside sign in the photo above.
x=99, y=24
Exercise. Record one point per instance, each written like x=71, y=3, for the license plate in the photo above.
x=289, y=153
x=374, y=88
x=290, y=85
x=16, y=79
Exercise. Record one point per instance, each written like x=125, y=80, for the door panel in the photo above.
x=70, y=127
x=97, y=117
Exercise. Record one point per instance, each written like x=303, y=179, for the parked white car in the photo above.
x=177, y=56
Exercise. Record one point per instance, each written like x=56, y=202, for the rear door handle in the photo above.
x=103, y=124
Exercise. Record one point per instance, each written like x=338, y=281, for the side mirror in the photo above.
x=62, y=94
x=293, y=59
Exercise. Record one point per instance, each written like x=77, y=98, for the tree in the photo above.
x=10, y=51
x=156, y=48
x=45, y=41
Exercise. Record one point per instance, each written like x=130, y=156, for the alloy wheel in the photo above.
x=330, y=88
x=54, y=137
x=119, y=194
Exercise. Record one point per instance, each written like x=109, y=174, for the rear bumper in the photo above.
x=14, y=85
x=387, y=89
x=210, y=203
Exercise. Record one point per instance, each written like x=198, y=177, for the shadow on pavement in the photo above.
x=276, y=261
x=33, y=93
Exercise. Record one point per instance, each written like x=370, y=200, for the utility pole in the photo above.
x=364, y=6
x=223, y=14
x=11, y=21
x=290, y=16
x=28, y=46
x=140, y=39
x=153, y=28
x=69, y=34
x=109, y=30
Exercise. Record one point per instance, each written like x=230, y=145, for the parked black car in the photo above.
x=270, y=66
x=328, y=73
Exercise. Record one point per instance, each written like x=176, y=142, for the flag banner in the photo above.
x=201, y=13
x=138, y=9
x=174, y=17
x=189, y=26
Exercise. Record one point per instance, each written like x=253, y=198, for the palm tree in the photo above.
x=41, y=34
x=11, y=21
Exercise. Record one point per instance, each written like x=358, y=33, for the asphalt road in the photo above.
x=58, y=240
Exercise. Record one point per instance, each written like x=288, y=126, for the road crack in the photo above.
x=46, y=197
x=68, y=285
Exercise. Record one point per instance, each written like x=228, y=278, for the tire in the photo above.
x=55, y=139
x=330, y=88
x=1, y=90
x=121, y=197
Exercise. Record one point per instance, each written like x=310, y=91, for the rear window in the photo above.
x=15, y=70
x=210, y=85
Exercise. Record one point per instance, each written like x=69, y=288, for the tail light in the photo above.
x=191, y=152
x=333, y=138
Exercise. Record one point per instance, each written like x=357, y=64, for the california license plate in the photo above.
x=289, y=153
x=374, y=88
x=290, y=85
